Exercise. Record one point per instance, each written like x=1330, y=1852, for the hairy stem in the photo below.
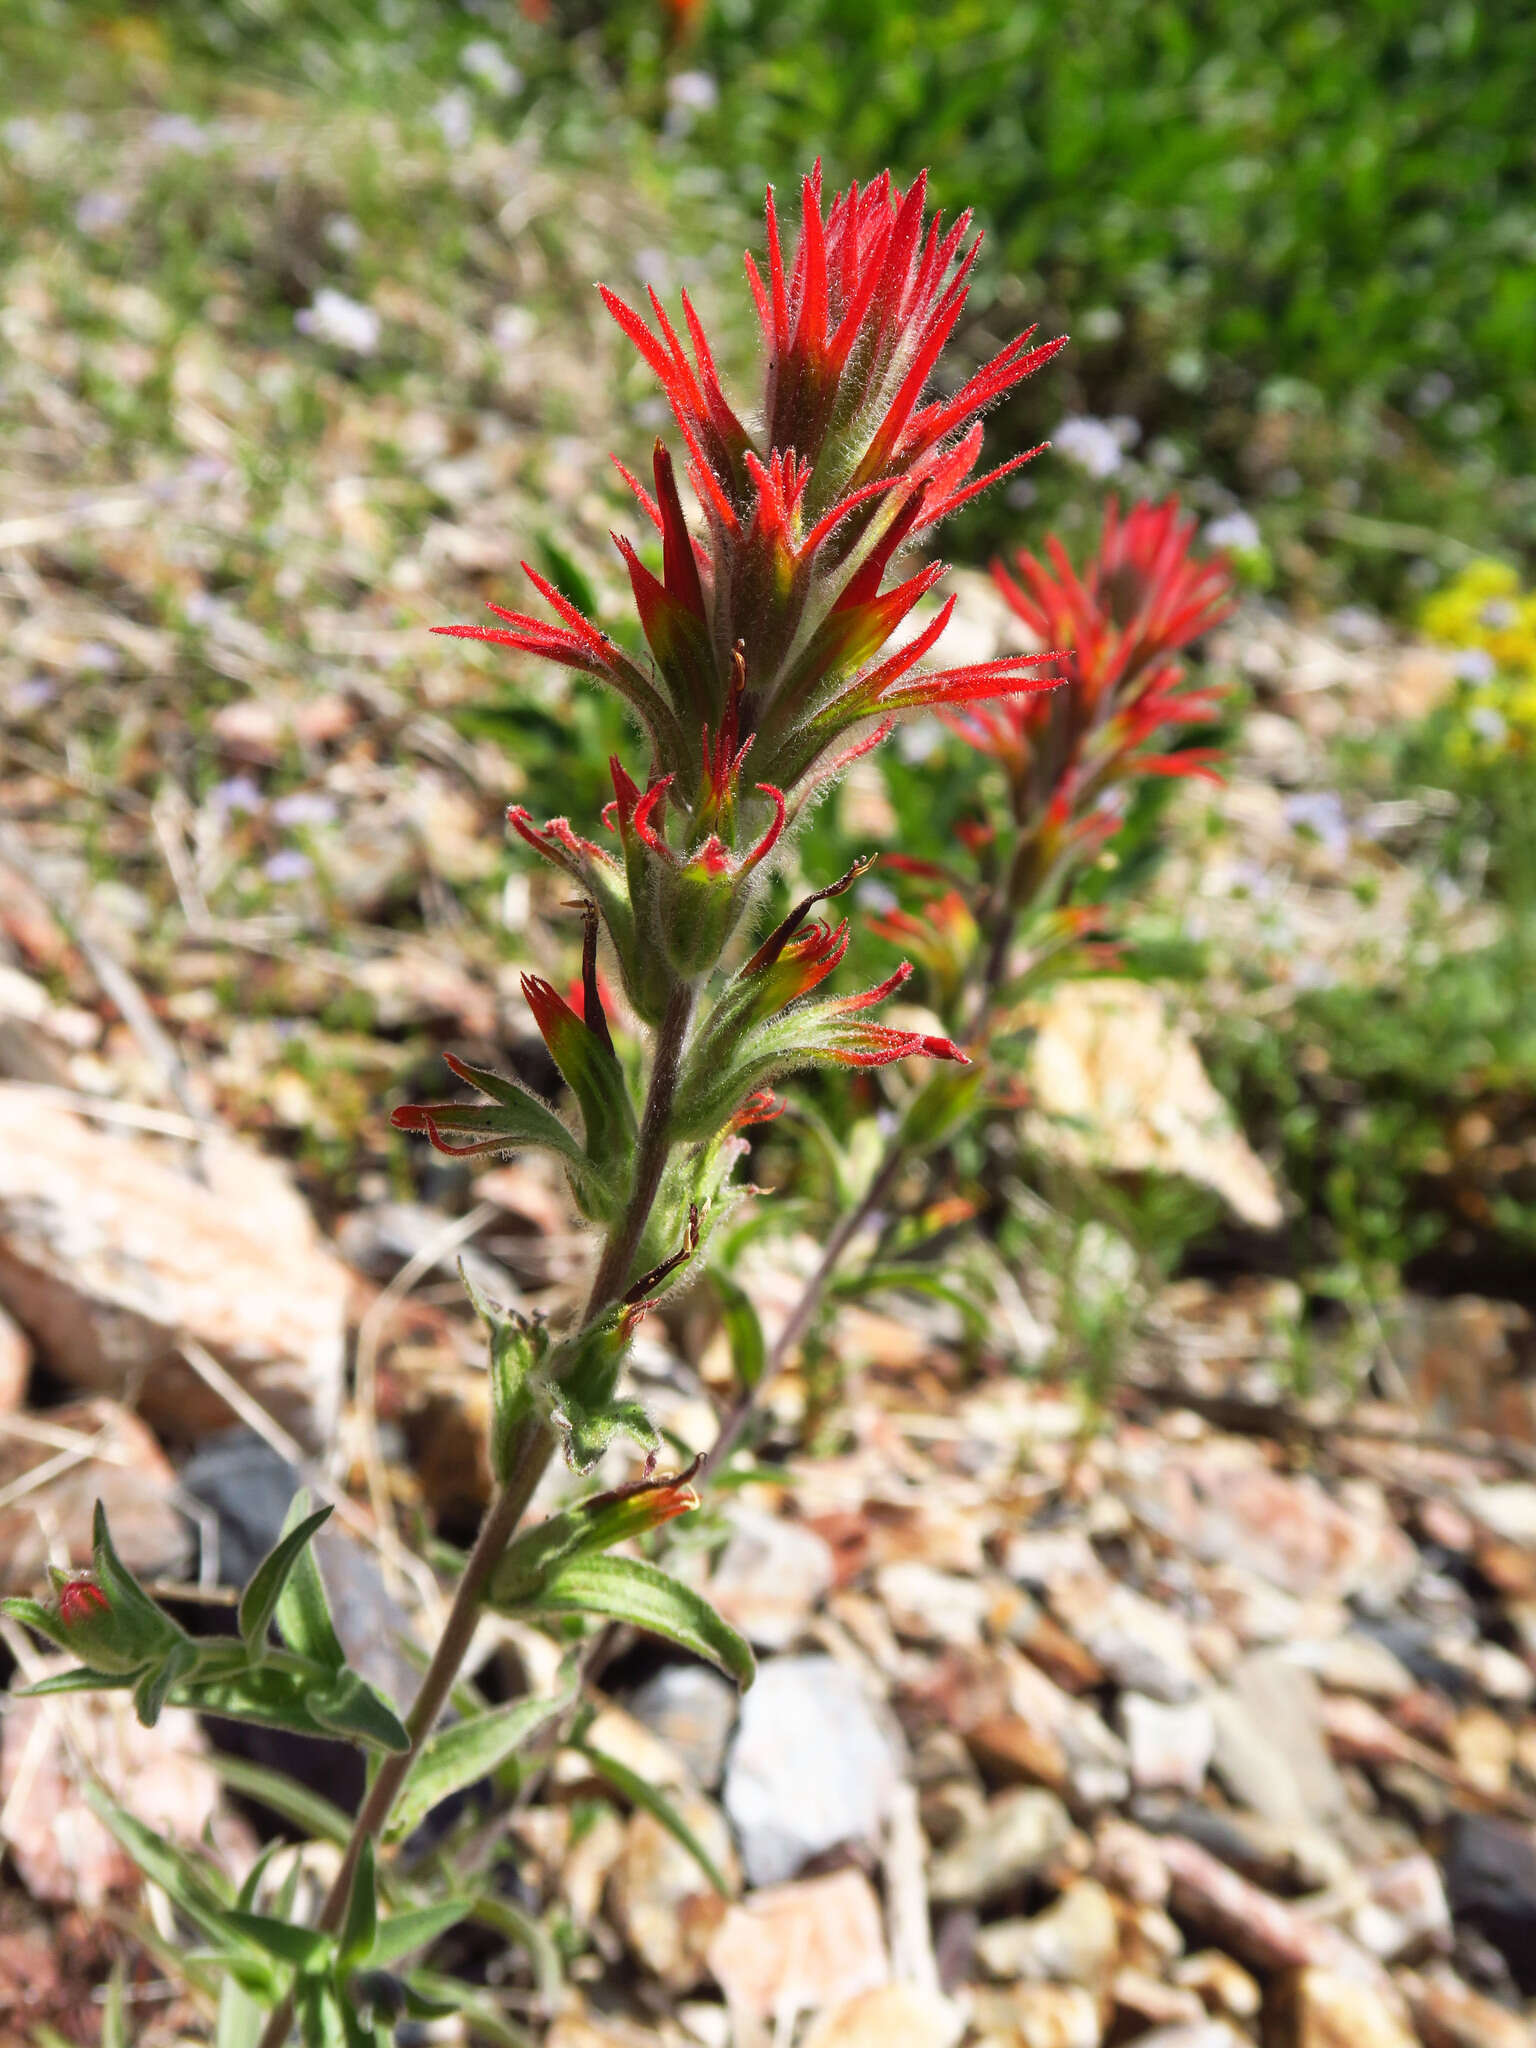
x=502, y=1517
x=535, y=1445
x=651, y=1149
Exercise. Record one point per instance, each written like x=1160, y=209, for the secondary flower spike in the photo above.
x=766, y=632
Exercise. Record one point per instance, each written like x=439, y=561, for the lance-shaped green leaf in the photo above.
x=743, y=1330
x=306, y=1948
x=82, y=1680
x=359, y=1929
x=467, y=1751
x=624, y=1589
x=350, y=1706
x=301, y=1609
x=403, y=1933
x=241, y=2015
x=114, y=2019
x=258, y=1603
x=187, y=1884
x=519, y=1346
x=268, y=1694
x=530, y=1935
x=592, y=1073
x=640, y=1792
x=307, y=1700
x=321, y=2014
x=154, y=1687
x=896, y=1279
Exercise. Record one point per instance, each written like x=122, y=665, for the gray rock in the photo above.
x=1354, y=1662
x=812, y=1766
x=1270, y=1752
x=692, y=1709
x=1017, y=1835
x=769, y=1577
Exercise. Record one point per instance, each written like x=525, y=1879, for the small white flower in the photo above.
x=343, y=234
x=1488, y=724
x=1235, y=530
x=512, y=328
x=454, y=115
x=1092, y=444
x=179, y=131
x=490, y=66
x=697, y=91
x=340, y=322
x=1475, y=665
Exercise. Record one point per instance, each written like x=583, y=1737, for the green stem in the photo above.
x=535, y=1446
x=652, y=1145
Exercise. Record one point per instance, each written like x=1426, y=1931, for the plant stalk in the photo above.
x=535, y=1446
x=804, y=1312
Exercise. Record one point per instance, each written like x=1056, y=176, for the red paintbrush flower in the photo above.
x=1141, y=596
x=772, y=624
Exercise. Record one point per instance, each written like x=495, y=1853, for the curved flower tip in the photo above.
x=945, y=1049
x=80, y=1600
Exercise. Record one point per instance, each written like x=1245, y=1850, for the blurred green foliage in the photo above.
x=1296, y=245
x=1297, y=242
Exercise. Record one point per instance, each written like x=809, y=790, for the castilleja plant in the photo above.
x=989, y=932
x=781, y=645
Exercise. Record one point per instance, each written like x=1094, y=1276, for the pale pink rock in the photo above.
x=121, y=1466
x=1262, y=1930
x=62, y=1853
x=769, y=1577
x=1406, y=1908
x=1170, y=1746
x=894, y=2016
x=1221, y=1501
x=1138, y=1643
x=800, y=1947
x=112, y=1253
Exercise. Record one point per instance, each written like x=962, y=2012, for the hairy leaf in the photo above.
x=624, y=1589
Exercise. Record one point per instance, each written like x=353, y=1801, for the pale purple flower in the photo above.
x=288, y=865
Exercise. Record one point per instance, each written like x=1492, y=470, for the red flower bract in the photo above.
x=765, y=633
x=1140, y=597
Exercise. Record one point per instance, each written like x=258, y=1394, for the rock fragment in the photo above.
x=797, y=1948
x=812, y=1766
x=770, y=1576
x=665, y=1906
x=1012, y=1839
x=81, y=1453
x=693, y=1710
x=111, y=1256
